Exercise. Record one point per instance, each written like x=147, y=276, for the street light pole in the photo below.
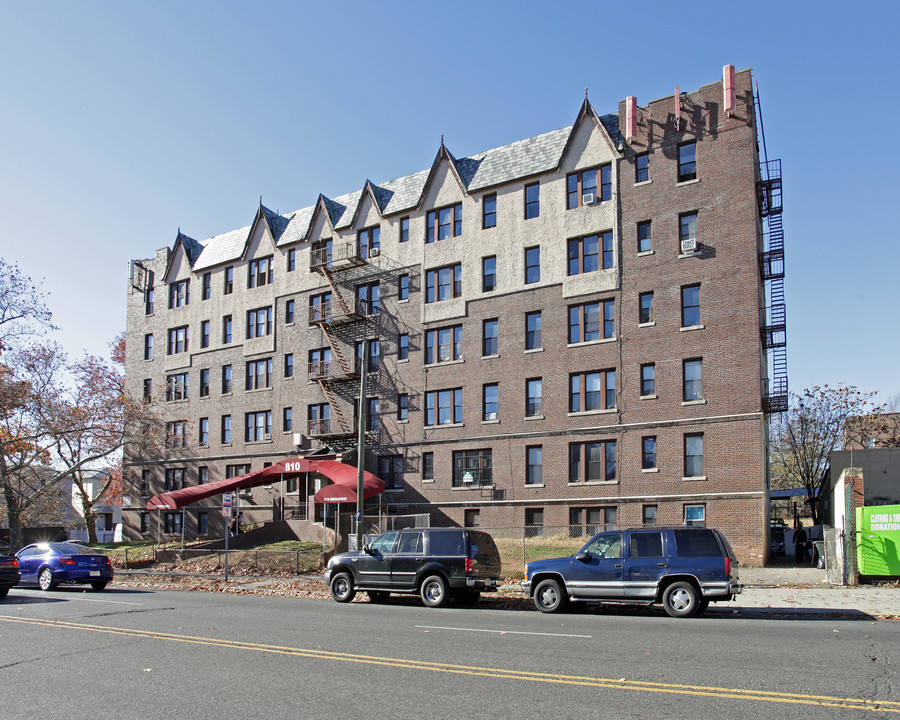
x=361, y=442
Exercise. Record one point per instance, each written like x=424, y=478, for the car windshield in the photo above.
x=606, y=545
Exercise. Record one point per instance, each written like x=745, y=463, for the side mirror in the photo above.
x=367, y=549
x=583, y=556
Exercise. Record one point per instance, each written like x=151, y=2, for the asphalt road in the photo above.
x=173, y=654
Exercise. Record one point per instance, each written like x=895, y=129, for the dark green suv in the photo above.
x=435, y=563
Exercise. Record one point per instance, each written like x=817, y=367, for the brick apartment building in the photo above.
x=575, y=329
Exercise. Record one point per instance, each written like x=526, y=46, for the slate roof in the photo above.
x=520, y=159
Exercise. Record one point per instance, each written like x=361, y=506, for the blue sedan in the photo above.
x=50, y=564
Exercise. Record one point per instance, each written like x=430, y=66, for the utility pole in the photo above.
x=361, y=442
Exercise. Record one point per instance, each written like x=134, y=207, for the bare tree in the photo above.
x=23, y=310
x=804, y=437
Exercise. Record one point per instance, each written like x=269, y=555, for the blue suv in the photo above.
x=684, y=568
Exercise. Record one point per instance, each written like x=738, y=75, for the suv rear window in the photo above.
x=697, y=543
x=481, y=543
x=449, y=542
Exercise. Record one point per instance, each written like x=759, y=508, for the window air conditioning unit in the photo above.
x=588, y=199
x=267, y=436
x=374, y=252
x=689, y=245
x=490, y=416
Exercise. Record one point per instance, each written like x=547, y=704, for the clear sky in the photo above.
x=122, y=121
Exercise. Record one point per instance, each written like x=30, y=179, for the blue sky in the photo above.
x=123, y=121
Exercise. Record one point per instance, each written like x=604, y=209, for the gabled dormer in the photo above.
x=435, y=190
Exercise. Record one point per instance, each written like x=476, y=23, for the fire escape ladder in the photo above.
x=345, y=368
x=334, y=402
x=336, y=295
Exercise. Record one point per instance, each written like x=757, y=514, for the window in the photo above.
x=404, y=229
x=291, y=260
x=687, y=162
x=533, y=397
x=443, y=223
x=690, y=305
x=592, y=391
x=373, y=414
x=174, y=479
x=649, y=514
x=148, y=390
x=443, y=283
x=203, y=432
x=644, y=237
x=443, y=344
x=145, y=522
x=259, y=374
x=226, y=429
x=226, y=329
x=172, y=523
x=534, y=521
x=648, y=453
x=204, y=333
x=229, y=281
x=403, y=287
x=592, y=461
x=403, y=347
x=693, y=455
x=472, y=518
x=490, y=341
x=319, y=419
x=289, y=365
x=319, y=363
x=443, y=407
x=202, y=523
x=145, y=483
x=374, y=355
x=489, y=273
x=321, y=253
x=645, y=312
x=320, y=307
x=226, y=379
x=687, y=229
x=693, y=379
x=390, y=469
x=591, y=520
x=149, y=294
x=179, y=293
x=258, y=426
x=695, y=515
x=204, y=382
x=176, y=434
x=202, y=475
x=532, y=200
x=427, y=467
x=233, y=471
x=178, y=340
x=260, y=272
x=369, y=242
x=534, y=465
x=403, y=407
x=288, y=312
x=648, y=379
x=259, y=322
x=490, y=401
x=287, y=419
x=489, y=211
x=533, y=330
x=532, y=265
x=584, y=254
x=472, y=468
x=585, y=324
x=206, y=288
x=368, y=298
x=642, y=167
x=584, y=183
x=177, y=387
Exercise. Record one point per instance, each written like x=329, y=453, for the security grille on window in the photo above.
x=472, y=468
x=427, y=467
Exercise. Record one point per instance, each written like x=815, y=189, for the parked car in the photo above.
x=9, y=574
x=436, y=563
x=684, y=568
x=50, y=564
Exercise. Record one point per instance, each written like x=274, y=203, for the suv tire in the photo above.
x=434, y=591
x=550, y=597
x=342, y=588
x=681, y=599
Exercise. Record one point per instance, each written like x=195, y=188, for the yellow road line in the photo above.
x=618, y=684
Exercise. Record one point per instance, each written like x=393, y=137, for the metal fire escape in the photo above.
x=329, y=313
x=773, y=331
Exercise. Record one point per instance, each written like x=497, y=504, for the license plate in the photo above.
x=95, y=573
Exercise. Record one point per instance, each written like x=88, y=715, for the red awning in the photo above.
x=338, y=472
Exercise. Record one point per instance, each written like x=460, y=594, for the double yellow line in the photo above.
x=885, y=706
